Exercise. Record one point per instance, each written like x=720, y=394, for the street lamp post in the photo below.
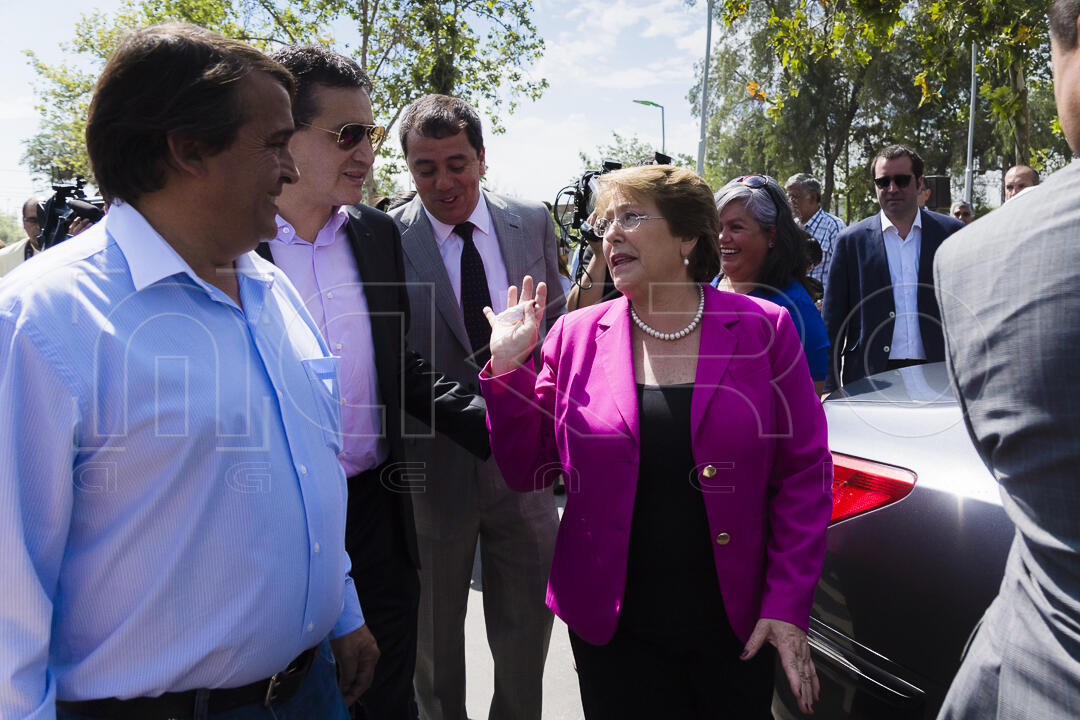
x=705, y=94
x=650, y=103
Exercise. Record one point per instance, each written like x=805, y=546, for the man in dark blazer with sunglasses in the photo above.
x=880, y=309
x=346, y=261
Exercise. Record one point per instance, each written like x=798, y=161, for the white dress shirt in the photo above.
x=903, y=255
x=487, y=243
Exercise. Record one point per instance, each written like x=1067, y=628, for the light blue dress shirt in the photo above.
x=172, y=509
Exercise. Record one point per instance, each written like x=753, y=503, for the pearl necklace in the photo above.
x=675, y=335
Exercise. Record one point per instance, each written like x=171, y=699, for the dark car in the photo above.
x=916, y=550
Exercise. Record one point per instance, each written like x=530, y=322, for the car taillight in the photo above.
x=860, y=486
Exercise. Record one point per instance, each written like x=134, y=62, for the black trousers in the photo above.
x=636, y=677
x=388, y=585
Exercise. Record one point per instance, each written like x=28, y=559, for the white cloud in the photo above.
x=18, y=108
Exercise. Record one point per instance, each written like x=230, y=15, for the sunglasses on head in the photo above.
x=758, y=182
x=902, y=181
x=352, y=134
x=754, y=182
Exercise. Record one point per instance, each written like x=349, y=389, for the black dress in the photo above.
x=674, y=654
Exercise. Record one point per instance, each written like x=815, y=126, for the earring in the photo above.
x=686, y=261
x=772, y=244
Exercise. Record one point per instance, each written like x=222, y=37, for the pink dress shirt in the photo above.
x=325, y=274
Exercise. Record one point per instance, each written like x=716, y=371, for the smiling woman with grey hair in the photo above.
x=763, y=253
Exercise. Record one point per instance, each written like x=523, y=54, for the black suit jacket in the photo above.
x=859, y=310
x=407, y=382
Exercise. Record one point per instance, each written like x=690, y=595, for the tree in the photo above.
x=11, y=229
x=629, y=151
x=476, y=49
x=821, y=85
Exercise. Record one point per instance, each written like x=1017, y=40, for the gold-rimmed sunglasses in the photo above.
x=351, y=134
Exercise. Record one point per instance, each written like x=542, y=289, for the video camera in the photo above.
x=578, y=202
x=58, y=212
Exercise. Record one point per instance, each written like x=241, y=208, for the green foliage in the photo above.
x=11, y=229
x=820, y=85
x=479, y=50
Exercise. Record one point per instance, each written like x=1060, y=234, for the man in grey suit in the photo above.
x=463, y=248
x=1010, y=305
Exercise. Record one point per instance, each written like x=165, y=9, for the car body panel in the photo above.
x=903, y=586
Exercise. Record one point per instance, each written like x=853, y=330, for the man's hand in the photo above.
x=356, y=655
x=794, y=651
x=78, y=225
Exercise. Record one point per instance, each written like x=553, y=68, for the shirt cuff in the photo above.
x=352, y=617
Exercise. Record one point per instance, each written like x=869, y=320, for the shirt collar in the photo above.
x=150, y=258
x=480, y=217
x=886, y=223
x=287, y=233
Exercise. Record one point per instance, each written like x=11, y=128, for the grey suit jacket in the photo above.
x=526, y=234
x=1009, y=295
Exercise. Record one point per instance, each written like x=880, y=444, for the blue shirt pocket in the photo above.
x=322, y=372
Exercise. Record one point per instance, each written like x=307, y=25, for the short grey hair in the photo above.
x=761, y=206
x=806, y=182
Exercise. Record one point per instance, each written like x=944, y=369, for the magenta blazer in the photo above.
x=759, y=443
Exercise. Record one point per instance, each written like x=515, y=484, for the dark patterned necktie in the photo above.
x=474, y=295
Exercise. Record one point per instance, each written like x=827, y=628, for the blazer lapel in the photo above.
x=367, y=267
x=419, y=247
x=717, y=348
x=879, y=279
x=616, y=354
x=511, y=239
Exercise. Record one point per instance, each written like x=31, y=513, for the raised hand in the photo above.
x=515, y=330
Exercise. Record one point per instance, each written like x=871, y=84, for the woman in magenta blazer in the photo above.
x=697, y=469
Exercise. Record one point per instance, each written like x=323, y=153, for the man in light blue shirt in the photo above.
x=172, y=509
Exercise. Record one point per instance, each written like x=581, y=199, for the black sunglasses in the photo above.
x=352, y=134
x=753, y=182
x=902, y=181
x=759, y=182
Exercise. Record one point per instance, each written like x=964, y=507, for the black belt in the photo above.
x=903, y=363
x=277, y=688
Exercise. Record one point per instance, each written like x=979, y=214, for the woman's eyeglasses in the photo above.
x=352, y=134
x=627, y=221
x=902, y=181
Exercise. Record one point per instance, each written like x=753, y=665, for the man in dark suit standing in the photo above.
x=345, y=259
x=880, y=308
x=463, y=248
x=1010, y=305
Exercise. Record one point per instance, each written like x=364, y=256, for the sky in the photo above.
x=601, y=56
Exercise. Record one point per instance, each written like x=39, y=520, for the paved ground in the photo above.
x=561, y=698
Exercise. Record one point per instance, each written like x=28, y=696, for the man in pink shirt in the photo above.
x=345, y=259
